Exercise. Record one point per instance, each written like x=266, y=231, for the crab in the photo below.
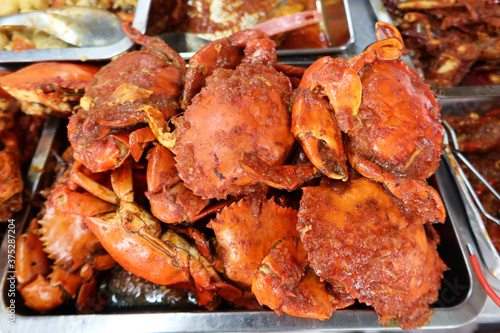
x=58, y=258
x=137, y=241
x=231, y=84
x=245, y=231
x=53, y=87
x=12, y=185
x=111, y=123
x=359, y=235
x=285, y=283
x=390, y=117
x=170, y=200
x=380, y=117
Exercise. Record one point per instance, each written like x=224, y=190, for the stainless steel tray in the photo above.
x=82, y=53
x=486, y=90
x=489, y=255
x=461, y=297
x=336, y=23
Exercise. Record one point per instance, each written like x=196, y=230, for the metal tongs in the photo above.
x=452, y=148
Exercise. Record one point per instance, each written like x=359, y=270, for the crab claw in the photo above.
x=283, y=177
x=315, y=126
x=97, y=155
x=285, y=284
x=130, y=236
x=170, y=200
x=222, y=53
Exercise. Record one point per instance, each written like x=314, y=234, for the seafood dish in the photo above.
x=219, y=19
x=453, y=43
x=237, y=181
x=17, y=130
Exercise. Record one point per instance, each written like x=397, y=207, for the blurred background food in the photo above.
x=14, y=38
x=454, y=43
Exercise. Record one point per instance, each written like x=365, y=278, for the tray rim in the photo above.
x=302, y=52
x=82, y=53
x=490, y=258
x=255, y=321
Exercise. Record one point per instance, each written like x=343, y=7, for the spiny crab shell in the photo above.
x=241, y=110
x=407, y=104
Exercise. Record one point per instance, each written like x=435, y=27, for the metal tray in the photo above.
x=489, y=255
x=486, y=90
x=336, y=23
x=82, y=53
x=461, y=298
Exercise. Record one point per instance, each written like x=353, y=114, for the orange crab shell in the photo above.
x=285, y=284
x=53, y=84
x=240, y=111
x=116, y=96
x=245, y=232
x=358, y=234
x=396, y=98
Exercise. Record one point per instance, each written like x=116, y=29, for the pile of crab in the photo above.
x=249, y=182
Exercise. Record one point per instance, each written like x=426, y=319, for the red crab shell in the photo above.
x=399, y=127
x=245, y=232
x=244, y=110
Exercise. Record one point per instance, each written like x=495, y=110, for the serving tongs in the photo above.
x=452, y=149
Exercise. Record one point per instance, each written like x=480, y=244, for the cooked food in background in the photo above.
x=15, y=38
x=479, y=139
x=157, y=139
x=221, y=18
x=454, y=43
x=10, y=172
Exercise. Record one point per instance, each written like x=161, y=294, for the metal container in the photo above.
x=82, y=53
x=486, y=90
x=336, y=23
x=461, y=298
x=462, y=106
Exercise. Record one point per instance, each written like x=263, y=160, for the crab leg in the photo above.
x=285, y=177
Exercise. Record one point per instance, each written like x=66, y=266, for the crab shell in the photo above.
x=55, y=85
x=399, y=127
x=245, y=232
x=244, y=110
x=358, y=234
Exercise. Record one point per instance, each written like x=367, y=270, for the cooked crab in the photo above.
x=112, y=122
x=49, y=87
x=359, y=235
x=76, y=256
x=242, y=108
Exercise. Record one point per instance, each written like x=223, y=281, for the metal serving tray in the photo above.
x=486, y=90
x=336, y=23
x=462, y=106
x=461, y=297
x=82, y=53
